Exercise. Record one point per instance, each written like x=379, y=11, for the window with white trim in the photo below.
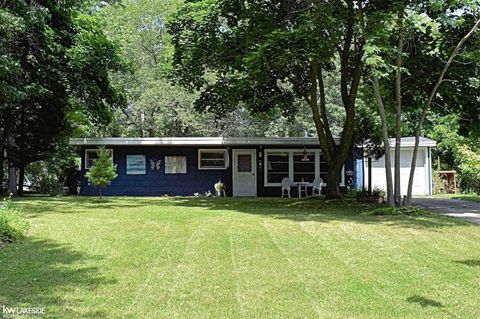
x=303, y=167
x=91, y=155
x=212, y=159
x=298, y=165
x=136, y=165
x=175, y=164
x=323, y=169
x=277, y=165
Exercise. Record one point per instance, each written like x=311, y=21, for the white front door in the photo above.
x=244, y=173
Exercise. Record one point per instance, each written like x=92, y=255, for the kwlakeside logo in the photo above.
x=18, y=312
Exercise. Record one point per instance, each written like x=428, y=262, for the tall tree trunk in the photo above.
x=12, y=179
x=350, y=77
x=12, y=171
x=21, y=180
x=333, y=182
x=419, y=127
x=2, y=173
x=327, y=143
x=386, y=144
x=398, y=116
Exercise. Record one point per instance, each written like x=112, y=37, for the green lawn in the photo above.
x=232, y=258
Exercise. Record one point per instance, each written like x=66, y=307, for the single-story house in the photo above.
x=247, y=166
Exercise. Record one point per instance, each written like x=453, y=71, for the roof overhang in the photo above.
x=222, y=141
x=410, y=142
x=194, y=141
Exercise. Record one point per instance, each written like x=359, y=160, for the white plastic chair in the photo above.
x=286, y=185
x=317, y=185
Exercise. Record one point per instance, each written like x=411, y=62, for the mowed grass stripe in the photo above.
x=326, y=278
x=268, y=286
x=202, y=285
x=402, y=268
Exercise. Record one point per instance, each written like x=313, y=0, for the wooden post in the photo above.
x=454, y=182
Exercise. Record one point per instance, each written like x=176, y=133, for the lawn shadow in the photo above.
x=41, y=273
x=469, y=262
x=35, y=206
x=317, y=210
x=424, y=302
x=311, y=209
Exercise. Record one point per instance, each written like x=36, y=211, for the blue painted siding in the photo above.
x=157, y=183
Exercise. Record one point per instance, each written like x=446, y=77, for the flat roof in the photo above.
x=212, y=141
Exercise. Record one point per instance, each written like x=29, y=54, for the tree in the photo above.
x=103, y=171
x=265, y=55
x=407, y=56
x=429, y=102
x=156, y=107
x=55, y=63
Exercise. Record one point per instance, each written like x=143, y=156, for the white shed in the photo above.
x=422, y=183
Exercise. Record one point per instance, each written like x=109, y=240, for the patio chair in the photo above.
x=317, y=185
x=286, y=185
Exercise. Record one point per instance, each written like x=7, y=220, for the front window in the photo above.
x=92, y=155
x=303, y=167
x=212, y=159
x=277, y=166
x=175, y=164
x=323, y=169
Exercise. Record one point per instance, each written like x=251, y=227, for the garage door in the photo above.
x=420, y=183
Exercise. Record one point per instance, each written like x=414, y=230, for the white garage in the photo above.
x=422, y=183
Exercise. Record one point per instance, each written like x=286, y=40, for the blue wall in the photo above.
x=157, y=183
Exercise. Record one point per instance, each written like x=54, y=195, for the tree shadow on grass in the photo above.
x=424, y=302
x=41, y=273
x=469, y=262
x=70, y=205
x=311, y=209
x=316, y=210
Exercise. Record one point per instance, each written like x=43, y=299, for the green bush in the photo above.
x=389, y=211
x=13, y=224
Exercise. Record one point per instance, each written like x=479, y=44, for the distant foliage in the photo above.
x=469, y=165
x=457, y=152
x=103, y=170
x=13, y=224
x=437, y=183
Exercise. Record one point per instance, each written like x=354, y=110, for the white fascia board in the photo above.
x=182, y=141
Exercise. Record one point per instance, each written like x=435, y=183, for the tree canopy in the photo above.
x=265, y=55
x=55, y=66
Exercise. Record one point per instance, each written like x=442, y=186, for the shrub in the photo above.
x=103, y=170
x=13, y=224
x=390, y=211
x=378, y=192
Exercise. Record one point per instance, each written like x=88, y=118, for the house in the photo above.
x=247, y=166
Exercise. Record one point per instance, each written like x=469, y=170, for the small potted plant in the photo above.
x=220, y=188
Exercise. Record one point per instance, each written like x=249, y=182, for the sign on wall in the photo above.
x=136, y=165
